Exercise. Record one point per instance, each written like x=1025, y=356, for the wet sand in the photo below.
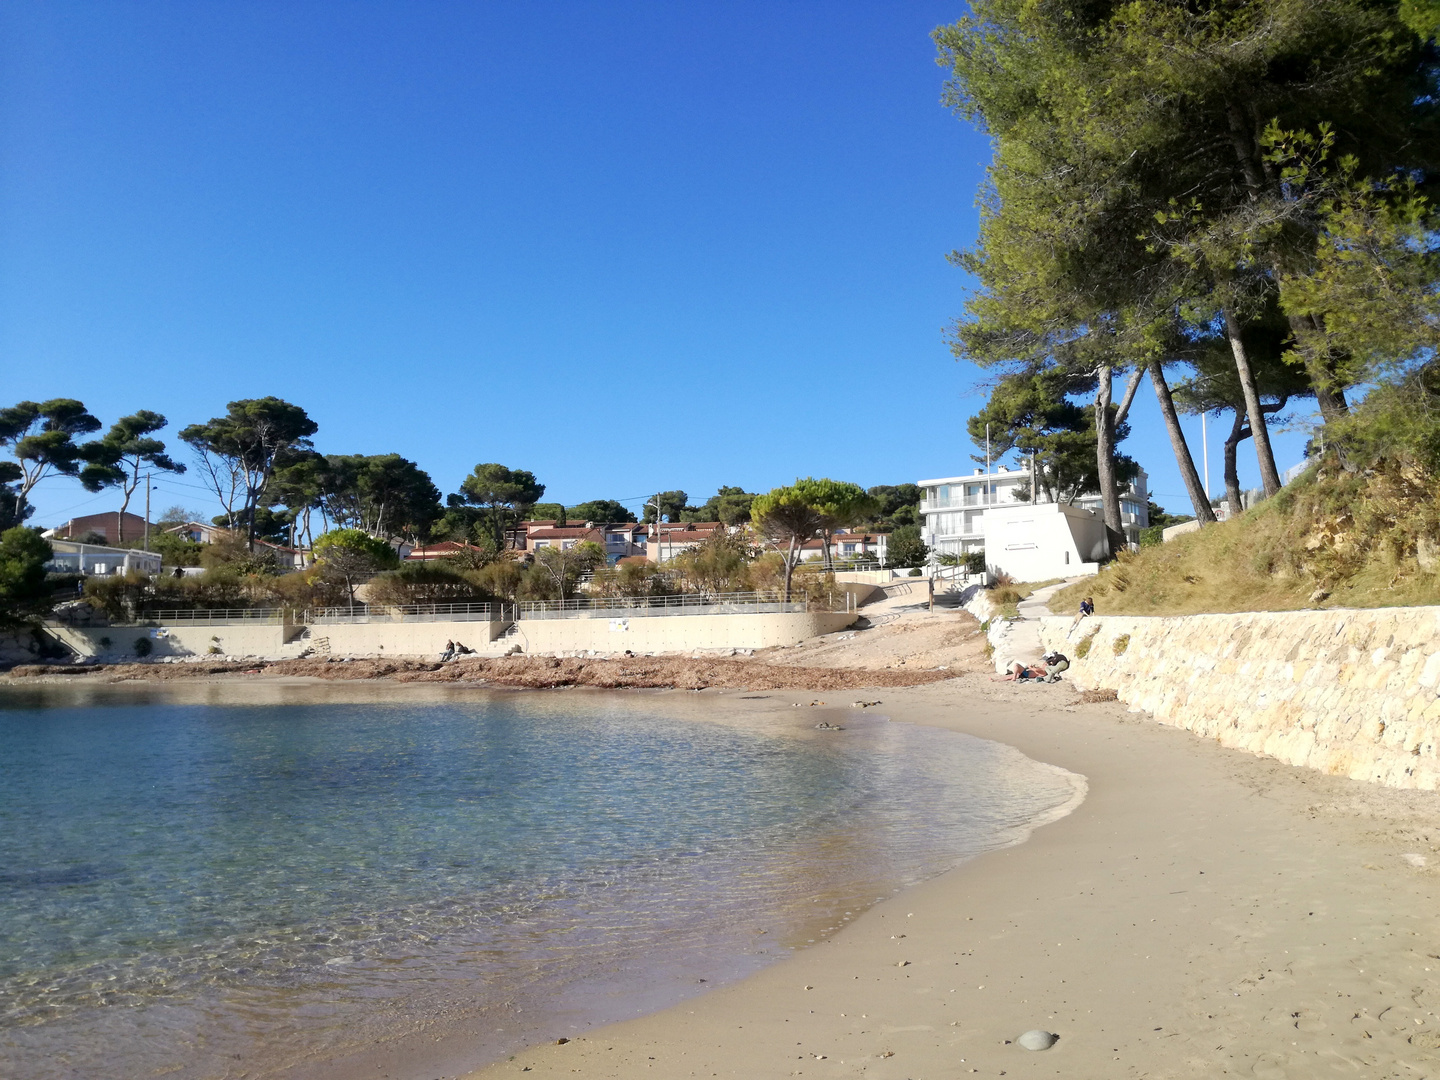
x=1202, y=913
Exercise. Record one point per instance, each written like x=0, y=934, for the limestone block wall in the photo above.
x=647, y=634
x=1353, y=693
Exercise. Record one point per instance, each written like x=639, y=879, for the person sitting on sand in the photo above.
x=449, y=653
x=1020, y=673
x=1087, y=608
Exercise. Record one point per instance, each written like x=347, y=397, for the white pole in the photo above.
x=1205, y=452
x=987, y=465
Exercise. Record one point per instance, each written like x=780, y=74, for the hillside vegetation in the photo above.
x=1332, y=538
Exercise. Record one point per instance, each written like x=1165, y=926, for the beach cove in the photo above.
x=1203, y=912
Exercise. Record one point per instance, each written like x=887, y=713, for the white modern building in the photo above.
x=1044, y=541
x=952, y=509
x=95, y=560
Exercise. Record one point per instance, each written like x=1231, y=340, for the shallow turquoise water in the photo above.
x=214, y=890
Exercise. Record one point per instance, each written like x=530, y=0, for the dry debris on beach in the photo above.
x=533, y=672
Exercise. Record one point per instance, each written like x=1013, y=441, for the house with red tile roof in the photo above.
x=442, y=549
x=620, y=540
x=671, y=538
x=107, y=525
x=848, y=547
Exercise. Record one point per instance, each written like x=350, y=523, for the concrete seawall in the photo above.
x=644, y=634
x=1349, y=692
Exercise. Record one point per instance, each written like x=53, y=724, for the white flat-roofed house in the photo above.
x=94, y=560
x=1042, y=541
x=952, y=509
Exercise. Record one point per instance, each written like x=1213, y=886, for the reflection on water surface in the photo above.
x=225, y=880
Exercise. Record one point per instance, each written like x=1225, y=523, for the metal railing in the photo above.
x=629, y=607
x=586, y=607
x=400, y=613
x=958, y=502
x=210, y=616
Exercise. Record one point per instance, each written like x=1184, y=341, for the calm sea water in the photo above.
x=205, y=889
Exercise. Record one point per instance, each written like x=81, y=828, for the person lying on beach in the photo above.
x=1087, y=608
x=1020, y=673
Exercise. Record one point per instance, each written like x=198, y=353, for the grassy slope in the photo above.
x=1352, y=536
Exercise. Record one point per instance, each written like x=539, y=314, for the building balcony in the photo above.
x=930, y=506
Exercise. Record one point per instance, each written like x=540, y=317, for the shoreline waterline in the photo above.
x=1202, y=911
x=621, y=992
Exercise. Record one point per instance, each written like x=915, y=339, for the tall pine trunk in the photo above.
x=1105, y=453
x=1198, y=499
x=1259, y=431
x=1232, y=471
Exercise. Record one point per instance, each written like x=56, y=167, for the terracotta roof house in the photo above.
x=676, y=537
x=108, y=525
x=442, y=549
x=204, y=533
x=620, y=539
x=848, y=546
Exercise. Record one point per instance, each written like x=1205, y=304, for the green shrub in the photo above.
x=431, y=582
x=1120, y=644
x=1082, y=648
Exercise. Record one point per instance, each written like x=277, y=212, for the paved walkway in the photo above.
x=1021, y=641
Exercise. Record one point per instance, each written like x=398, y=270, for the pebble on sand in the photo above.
x=1035, y=1039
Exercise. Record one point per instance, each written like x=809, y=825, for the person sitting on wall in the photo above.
x=1055, y=663
x=1087, y=608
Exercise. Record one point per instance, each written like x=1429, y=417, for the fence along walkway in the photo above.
x=402, y=613
x=630, y=607
x=614, y=607
x=210, y=617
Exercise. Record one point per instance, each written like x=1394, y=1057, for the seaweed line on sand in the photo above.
x=535, y=672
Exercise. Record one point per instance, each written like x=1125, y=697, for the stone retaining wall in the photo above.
x=643, y=634
x=1354, y=693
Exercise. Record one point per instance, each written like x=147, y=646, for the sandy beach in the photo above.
x=1203, y=912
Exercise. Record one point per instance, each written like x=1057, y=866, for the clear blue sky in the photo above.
x=628, y=246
